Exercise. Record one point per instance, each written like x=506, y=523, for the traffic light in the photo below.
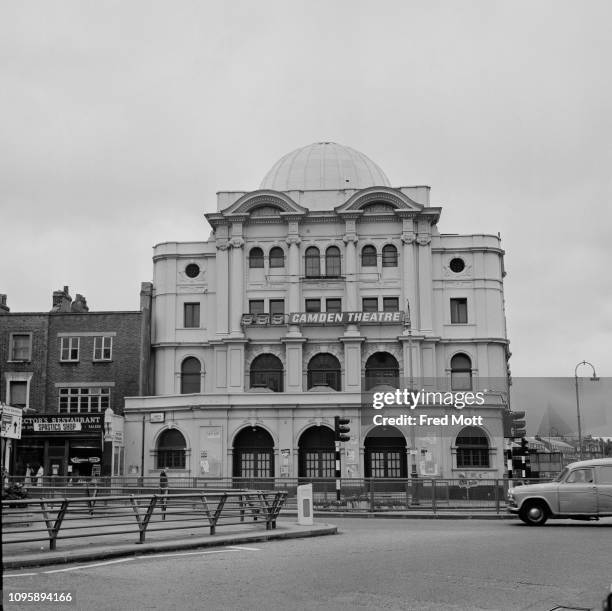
x=341, y=428
x=514, y=424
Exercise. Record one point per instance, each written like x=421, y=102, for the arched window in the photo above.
x=190, y=376
x=324, y=370
x=389, y=256
x=368, y=256
x=267, y=372
x=171, y=448
x=277, y=257
x=472, y=448
x=332, y=261
x=381, y=368
x=313, y=262
x=256, y=257
x=461, y=372
x=253, y=453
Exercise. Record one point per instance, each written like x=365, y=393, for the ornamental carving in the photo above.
x=293, y=239
x=223, y=245
x=424, y=239
x=408, y=238
x=350, y=238
x=370, y=349
x=254, y=351
x=310, y=351
x=237, y=242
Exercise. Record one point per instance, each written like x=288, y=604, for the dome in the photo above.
x=324, y=165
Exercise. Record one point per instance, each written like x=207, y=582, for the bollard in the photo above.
x=304, y=505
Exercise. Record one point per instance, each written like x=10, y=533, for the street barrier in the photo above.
x=433, y=494
x=42, y=519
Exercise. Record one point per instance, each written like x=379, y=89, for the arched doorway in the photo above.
x=385, y=453
x=317, y=453
x=253, y=453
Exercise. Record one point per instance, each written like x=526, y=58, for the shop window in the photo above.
x=333, y=304
x=267, y=372
x=312, y=262
x=390, y=304
x=256, y=258
x=461, y=372
x=472, y=448
x=69, y=349
x=171, y=450
x=332, y=262
x=368, y=256
x=277, y=257
x=83, y=400
x=369, y=304
x=389, y=256
x=190, y=376
x=191, y=315
x=458, y=310
x=103, y=348
x=324, y=370
x=21, y=347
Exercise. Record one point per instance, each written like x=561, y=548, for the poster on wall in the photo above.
x=210, y=454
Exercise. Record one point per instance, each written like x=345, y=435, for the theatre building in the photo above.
x=323, y=285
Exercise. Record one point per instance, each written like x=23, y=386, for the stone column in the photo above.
x=425, y=282
x=222, y=288
x=293, y=259
x=236, y=287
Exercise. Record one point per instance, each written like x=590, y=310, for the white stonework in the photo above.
x=321, y=196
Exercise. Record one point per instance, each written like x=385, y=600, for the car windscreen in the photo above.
x=561, y=475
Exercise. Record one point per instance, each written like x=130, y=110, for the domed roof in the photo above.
x=324, y=165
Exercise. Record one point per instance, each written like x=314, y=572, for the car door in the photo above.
x=604, y=489
x=578, y=494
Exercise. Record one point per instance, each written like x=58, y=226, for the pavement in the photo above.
x=101, y=540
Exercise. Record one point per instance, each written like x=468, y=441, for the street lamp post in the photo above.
x=593, y=379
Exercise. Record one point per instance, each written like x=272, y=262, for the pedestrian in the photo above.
x=39, y=476
x=27, y=480
x=163, y=489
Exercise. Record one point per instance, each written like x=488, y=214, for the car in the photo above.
x=582, y=491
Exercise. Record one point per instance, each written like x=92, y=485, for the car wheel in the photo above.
x=534, y=513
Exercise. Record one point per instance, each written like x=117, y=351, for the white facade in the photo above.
x=318, y=197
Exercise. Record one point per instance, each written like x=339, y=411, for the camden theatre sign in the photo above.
x=345, y=318
x=323, y=318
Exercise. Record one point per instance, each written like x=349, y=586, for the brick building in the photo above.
x=70, y=370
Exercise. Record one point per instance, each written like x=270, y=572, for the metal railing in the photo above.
x=41, y=519
x=365, y=494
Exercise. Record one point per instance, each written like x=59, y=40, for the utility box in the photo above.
x=304, y=505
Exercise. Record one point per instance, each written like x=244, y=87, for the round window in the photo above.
x=192, y=270
x=457, y=265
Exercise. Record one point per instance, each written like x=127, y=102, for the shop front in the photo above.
x=68, y=446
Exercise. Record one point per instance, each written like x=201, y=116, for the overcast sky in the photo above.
x=121, y=120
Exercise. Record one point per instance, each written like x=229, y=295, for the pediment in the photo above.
x=267, y=201
x=379, y=200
